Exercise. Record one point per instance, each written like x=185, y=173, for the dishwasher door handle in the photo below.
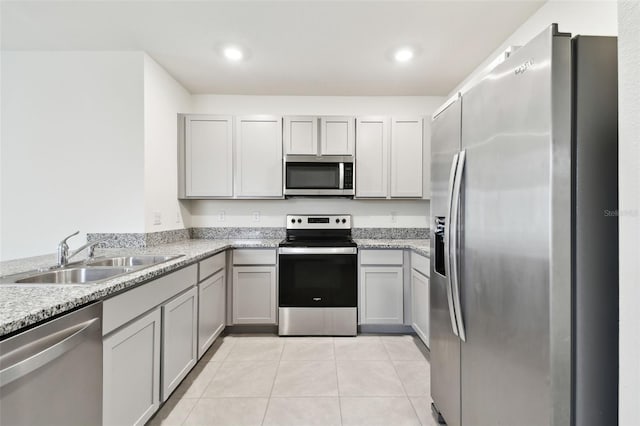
x=64, y=341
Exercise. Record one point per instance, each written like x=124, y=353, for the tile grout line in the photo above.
x=335, y=362
x=212, y=377
x=273, y=384
x=402, y=384
x=190, y=411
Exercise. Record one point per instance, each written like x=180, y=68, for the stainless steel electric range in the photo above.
x=318, y=278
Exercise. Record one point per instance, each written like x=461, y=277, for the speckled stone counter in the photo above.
x=419, y=246
x=22, y=305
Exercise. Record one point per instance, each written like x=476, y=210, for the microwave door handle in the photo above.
x=341, y=175
x=447, y=245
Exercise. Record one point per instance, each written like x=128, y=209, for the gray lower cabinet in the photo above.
x=137, y=360
x=381, y=287
x=211, y=310
x=254, y=286
x=420, y=269
x=179, y=339
x=382, y=295
x=254, y=295
x=131, y=372
x=420, y=305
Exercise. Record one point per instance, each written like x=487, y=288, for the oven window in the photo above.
x=316, y=280
x=313, y=175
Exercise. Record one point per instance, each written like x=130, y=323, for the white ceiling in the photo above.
x=294, y=47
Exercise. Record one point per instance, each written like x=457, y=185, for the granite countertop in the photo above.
x=22, y=305
x=421, y=247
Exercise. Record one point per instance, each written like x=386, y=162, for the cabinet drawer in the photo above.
x=254, y=257
x=381, y=257
x=124, y=307
x=211, y=265
x=420, y=263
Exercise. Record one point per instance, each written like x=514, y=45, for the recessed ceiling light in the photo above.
x=233, y=53
x=403, y=55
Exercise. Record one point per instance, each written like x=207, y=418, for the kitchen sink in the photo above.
x=90, y=272
x=131, y=261
x=85, y=275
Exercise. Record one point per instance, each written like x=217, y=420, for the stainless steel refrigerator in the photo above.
x=524, y=246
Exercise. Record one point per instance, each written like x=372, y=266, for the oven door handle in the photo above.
x=317, y=250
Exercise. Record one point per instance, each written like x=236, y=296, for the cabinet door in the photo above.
x=179, y=338
x=337, y=135
x=254, y=295
x=426, y=155
x=208, y=156
x=211, y=310
x=131, y=372
x=372, y=149
x=382, y=295
x=406, y=158
x=301, y=135
x=258, y=157
x=420, y=305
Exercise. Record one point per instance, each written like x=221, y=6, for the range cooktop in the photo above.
x=318, y=231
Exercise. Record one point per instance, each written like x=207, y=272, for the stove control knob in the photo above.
x=337, y=220
x=293, y=221
x=344, y=220
x=299, y=220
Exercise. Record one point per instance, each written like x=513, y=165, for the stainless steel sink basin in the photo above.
x=74, y=275
x=131, y=261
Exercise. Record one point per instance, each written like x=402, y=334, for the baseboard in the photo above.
x=385, y=329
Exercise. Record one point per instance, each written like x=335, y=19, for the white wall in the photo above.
x=72, y=147
x=164, y=98
x=316, y=105
x=588, y=17
x=629, y=190
x=366, y=213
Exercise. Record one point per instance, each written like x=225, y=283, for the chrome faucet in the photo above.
x=63, y=250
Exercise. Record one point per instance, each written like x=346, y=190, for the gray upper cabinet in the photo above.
x=406, y=158
x=258, y=160
x=390, y=157
x=300, y=135
x=206, y=156
x=372, y=148
x=426, y=155
x=337, y=135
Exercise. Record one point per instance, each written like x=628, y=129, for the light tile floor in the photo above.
x=299, y=381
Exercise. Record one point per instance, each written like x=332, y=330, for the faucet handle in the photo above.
x=64, y=241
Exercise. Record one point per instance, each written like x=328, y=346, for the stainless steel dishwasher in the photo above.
x=52, y=374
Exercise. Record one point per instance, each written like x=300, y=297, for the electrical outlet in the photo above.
x=157, y=218
x=221, y=216
x=394, y=217
x=256, y=216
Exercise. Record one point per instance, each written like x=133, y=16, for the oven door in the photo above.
x=318, y=277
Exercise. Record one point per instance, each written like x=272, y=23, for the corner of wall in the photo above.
x=629, y=208
x=586, y=17
x=164, y=98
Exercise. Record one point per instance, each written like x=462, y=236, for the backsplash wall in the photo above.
x=271, y=213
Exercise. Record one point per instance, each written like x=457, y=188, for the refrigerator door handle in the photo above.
x=447, y=244
x=455, y=221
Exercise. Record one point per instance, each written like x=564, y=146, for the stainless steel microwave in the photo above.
x=319, y=176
